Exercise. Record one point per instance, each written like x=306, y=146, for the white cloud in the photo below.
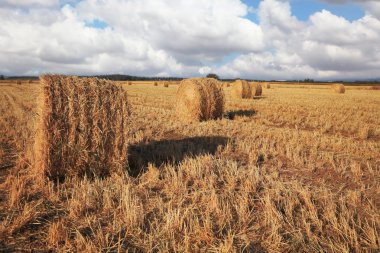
x=186, y=38
x=326, y=46
x=29, y=3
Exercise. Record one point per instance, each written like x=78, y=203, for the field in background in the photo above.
x=295, y=170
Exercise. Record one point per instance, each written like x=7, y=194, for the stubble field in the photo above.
x=296, y=170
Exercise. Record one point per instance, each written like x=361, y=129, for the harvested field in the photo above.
x=297, y=170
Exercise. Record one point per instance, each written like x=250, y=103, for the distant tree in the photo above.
x=308, y=80
x=2, y=77
x=212, y=75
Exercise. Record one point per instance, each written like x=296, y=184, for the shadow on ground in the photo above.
x=240, y=113
x=171, y=151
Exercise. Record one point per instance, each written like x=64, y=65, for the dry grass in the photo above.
x=295, y=171
x=199, y=99
x=83, y=128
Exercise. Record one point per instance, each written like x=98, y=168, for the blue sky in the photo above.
x=302, y=9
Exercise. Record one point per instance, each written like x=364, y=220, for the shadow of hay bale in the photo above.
x=240, y=113
x=171, y=151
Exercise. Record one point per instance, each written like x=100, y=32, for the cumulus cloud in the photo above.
x=325, y=47
x=185, y=38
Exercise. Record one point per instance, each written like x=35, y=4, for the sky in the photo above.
x=267, y=39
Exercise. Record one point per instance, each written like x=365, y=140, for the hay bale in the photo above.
x=129, y=83
x=256, y=89
x=339, y=88
x=199, y=99
x=267, y=85
x=226, y=84
x=18, y=82
x=155, y=84
x=30, y=81
x=166, y=84
x=82, y=129
x=241, y=89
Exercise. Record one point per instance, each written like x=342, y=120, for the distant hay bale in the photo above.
x=374, y=88
x=129, y=83
x=82, y=129
x=166, y=84
x=256, y=89
x=339, y=88
x=241, y=89
x=155, y=84
x=18, y=82
x=267, y=85
x=30, y=81
x=200, y=99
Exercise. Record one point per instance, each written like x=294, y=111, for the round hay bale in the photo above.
x=241, y=89
x=256, y=89
x=339, y=88
x=155, y=84
x=129, y=83
x=267, y=85
x=30, y=81
x=82, y=128
x=166, y=84
x=199, y=99
x=18, y=82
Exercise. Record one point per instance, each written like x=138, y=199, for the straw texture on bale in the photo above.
x=241, y=89
x=256, y=89
x=82, y=129
x=226, y=84
x=200, y=99
x=339, y=88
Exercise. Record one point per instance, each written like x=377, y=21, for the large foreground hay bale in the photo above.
x=256, y=89
x=339, y=88
x=241, y=89
x=199, y=99
x=82, y=128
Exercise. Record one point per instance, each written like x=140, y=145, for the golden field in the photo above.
x=296, y=170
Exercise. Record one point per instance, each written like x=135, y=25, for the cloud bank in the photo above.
x=186, y=38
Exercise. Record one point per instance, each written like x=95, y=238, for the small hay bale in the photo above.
x=199, y=99
x=129, y=83
x=30, y=81
x=339, y=88
x=267, y=85
x=18, y=82
x=155, y=84
x=241, y=89
x=256, y=89
x=82, y=129
x=166, y=84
